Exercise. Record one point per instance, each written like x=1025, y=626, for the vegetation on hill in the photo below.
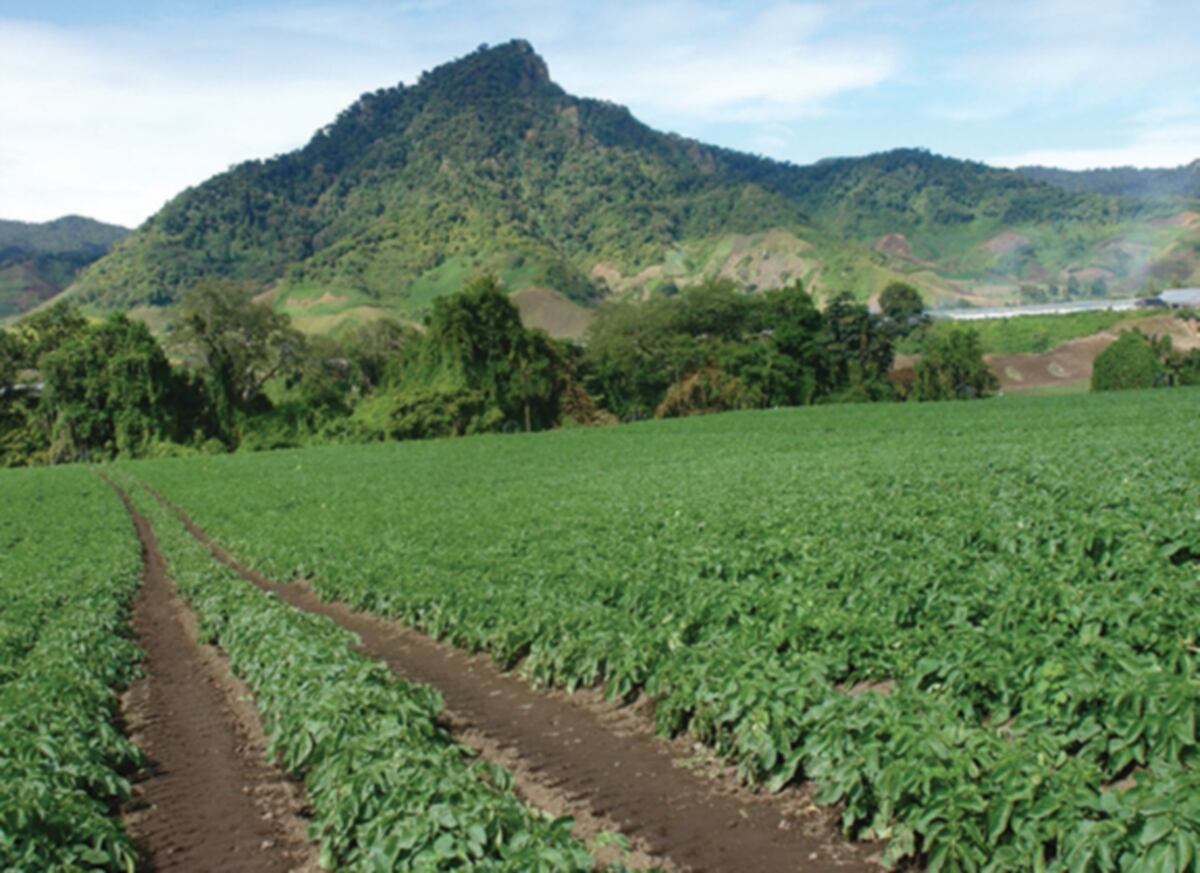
x=1175, y=183
x=37, y=261
x=484, y=165
x=245, y=378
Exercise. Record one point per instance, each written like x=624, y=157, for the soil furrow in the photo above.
x=602, y=761
x=207, y=799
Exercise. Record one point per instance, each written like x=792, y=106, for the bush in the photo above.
x=1130, y=362
x=706, y=391
x=427, y=413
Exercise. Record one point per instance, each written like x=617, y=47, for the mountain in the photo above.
x=38, y=260
x=1176, y=183
x=484, y=164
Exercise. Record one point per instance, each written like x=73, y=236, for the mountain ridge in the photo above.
x=484, y=164
x=1180, y=183
x=39, y=259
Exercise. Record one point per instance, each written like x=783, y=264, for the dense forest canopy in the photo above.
x=232, y=373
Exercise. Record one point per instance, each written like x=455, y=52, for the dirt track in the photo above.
x=207, y=801
x=600, y=763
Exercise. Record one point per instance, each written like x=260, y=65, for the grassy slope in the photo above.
x=1031, y=334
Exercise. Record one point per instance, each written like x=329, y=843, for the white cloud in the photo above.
x=1069, y=54
x=101, y=129
x=1159, y=146
x=710, y=64
x=113, y=122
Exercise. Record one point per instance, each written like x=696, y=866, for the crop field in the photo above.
x=972, y=626
x=69, y=567
x=389, y=789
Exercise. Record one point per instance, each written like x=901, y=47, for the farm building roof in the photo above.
x=1181, y=297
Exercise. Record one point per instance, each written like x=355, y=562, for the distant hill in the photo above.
x=38, y=260
x=485, y=164
x=1177, y=183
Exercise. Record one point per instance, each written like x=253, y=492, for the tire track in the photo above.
x=207, y=800
x=599, y=766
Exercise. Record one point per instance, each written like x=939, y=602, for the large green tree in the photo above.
x=22, y=432
x=901, y=303
x=238, y=345
x=47, y=329
x=109, y=392
x=475, y=349
x=766, y=349
x=11, y=359
x=1133, y=361
x=952, y=368
x=859, y=351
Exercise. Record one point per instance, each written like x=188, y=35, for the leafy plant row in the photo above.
x=389, y=788
x=973, y=627
x=69, y=567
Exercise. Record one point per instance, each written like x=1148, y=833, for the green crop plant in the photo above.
x=389, y=788
x=69, y=566
x=974, y=629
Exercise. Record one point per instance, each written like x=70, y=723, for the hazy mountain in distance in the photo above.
x=1178, y=183
x=38, y=260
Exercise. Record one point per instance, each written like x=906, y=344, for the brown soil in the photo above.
x=1183, y=219
x=1067, y=362
x=894, y=244
x=596, y=761
x=767, y=260
x=1091, y=274
x=554, y=313
x=1071, y=361
x=1005, y=242
x=327, y=298
x=207, y=800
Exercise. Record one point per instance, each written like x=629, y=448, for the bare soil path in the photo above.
x=601, y=763
x=207, y=800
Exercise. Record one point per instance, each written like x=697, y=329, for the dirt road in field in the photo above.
x=605, y=762
x=207, y=800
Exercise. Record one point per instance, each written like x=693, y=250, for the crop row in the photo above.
x=972, y=626
x=389, y=788
x=69, y=567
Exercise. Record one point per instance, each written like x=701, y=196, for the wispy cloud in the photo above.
x=1158, y=146
x=102, y=126
x=115, y=120
x=111, y=115
x=1069, y=54
x=711, y=63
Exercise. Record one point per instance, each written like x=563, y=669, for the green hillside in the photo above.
x=486, y=165
x=1166, y=183
x=38, y=260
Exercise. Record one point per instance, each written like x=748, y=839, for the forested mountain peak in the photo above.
x=485, y=165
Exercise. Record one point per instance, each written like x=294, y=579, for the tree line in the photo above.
x=1136, y=360
x=230, y=373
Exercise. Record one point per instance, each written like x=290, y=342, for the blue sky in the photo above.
x=109, y=109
